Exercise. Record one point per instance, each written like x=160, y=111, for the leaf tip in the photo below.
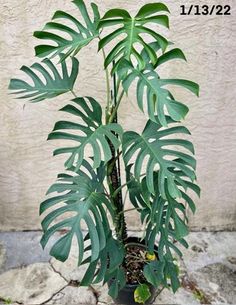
x=10, y=85
x=198, y=91
x=49, y=137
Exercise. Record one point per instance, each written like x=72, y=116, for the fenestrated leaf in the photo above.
x=94, y=133
x=47, y=86
x=86, y=204
x=133, y=28
x=85, y=32
x=152, y=144
x=151, y=96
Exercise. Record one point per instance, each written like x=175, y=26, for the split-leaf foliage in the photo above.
x=159, y=162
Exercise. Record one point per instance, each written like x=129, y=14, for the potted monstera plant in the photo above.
x=159, y=162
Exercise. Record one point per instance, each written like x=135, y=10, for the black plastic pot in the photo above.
x=126, y=295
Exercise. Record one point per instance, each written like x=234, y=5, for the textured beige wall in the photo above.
x=27, y=166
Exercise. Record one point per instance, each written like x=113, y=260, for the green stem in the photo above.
x=114, y=112
x=126, y=211
x=107, y=80
x=125, y=197
x=118, y=84
x=124, y=185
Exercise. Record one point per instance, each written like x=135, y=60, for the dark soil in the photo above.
x=134, y=264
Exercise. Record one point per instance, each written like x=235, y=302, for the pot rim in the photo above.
x=139, y=242
x=135, y=285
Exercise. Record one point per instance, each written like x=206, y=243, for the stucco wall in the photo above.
x=27, y=165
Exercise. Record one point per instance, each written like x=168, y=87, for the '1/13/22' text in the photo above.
x=218, y=10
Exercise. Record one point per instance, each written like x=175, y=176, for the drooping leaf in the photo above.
x=133, y=28
x=109, y=261
x=118, y=282
x=152, y=144
x=139, y=194
x=171, y=271
x=85, y=204
x=142, y=293
x=153, y=272
x=94, y=133
x=81, y=36
x=164, y=221
x=152, y=97
x=48, y=86
x=155, y=220
x=160, y=215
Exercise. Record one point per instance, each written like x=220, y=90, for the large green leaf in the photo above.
x=153, y=146
x=94, y=133
x=81, y=202
x=133, y=29
x=80, y=37
x=151, y=96
x=51, y=83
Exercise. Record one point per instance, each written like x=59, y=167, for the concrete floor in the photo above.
x=29, y=276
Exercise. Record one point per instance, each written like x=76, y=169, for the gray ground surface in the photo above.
x=29, y=276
